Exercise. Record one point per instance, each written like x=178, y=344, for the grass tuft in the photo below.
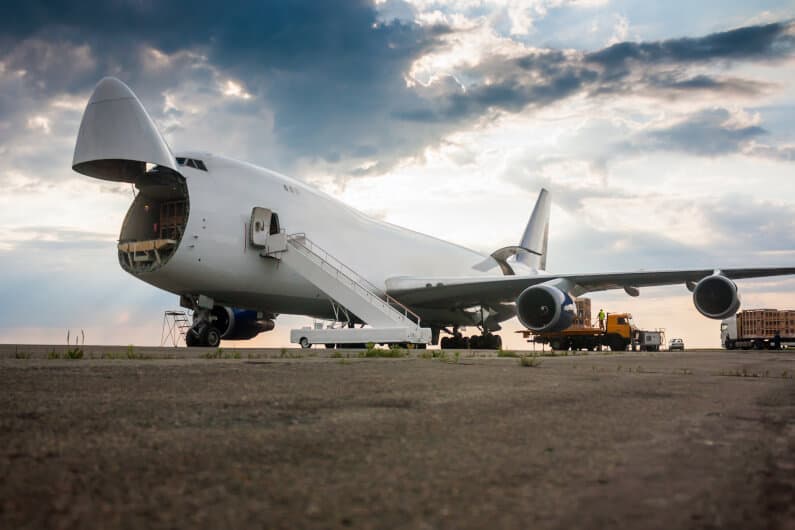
x=394, y=351
x=74, y=353
x=529, y=361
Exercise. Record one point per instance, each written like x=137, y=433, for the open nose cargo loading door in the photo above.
x=117, y=137
x=116, y=141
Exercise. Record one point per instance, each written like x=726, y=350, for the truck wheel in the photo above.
x=759, y=345
x=304, y=342
x=617, y=344
x=555, y=344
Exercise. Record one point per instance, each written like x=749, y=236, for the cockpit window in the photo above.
x=192, y=162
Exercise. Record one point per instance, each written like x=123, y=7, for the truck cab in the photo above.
x=620, y=324
x=728, y=332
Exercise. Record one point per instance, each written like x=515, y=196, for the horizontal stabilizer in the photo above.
x=501, y=258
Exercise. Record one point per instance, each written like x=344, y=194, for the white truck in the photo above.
x=758, y=329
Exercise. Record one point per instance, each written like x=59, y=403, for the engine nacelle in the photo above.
x=545, y=308
x=716, y=297
x=239, y=324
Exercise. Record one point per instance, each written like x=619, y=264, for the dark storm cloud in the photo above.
x=657, y=68
x=333, y=73
x=320, y=63
x=283, y=34
x=707, y=133
x=678, y=83
x=764, y=41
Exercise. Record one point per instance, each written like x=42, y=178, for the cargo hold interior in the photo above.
x=155, y=222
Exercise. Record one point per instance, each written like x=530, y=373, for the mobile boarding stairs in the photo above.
x=388, y=321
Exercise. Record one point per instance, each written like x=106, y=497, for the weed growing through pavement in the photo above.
x=220, y=353
x=744, y=372
x=507, y=353
x=21, y=355
x=74, y=353
x=393, y=351
x=529, y=361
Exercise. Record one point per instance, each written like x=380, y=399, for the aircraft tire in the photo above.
x=213, y=338
x=191, y=339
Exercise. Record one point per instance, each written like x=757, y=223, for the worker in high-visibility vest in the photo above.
x=601, y=319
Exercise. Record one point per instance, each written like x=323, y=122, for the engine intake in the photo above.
x=716, y=297
x=545, y=308
x=239, y=324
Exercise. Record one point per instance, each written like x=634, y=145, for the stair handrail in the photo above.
x=352, y=276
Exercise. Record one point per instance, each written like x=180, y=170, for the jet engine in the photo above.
x=545, y=308
x=239, y=324
x=716, y=297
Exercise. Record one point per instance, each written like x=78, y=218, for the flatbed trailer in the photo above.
x=759, y=329
x=583, y=339
x=618, y=335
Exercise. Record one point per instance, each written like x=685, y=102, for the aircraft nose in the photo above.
x=117, y=137
x=110, y=88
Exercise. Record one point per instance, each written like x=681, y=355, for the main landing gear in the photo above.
x=486, y=341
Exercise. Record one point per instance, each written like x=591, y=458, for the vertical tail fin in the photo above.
x=536, y=234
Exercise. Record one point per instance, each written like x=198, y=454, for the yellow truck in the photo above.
x=619, y=333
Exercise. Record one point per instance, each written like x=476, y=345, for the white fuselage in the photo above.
x=215, y=257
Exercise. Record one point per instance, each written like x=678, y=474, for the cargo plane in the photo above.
x=240, y=244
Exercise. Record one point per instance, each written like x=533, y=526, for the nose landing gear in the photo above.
x=203, y=332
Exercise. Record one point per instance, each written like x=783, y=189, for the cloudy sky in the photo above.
x=664, y=130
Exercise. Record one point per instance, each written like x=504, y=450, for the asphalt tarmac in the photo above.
x=292, y=439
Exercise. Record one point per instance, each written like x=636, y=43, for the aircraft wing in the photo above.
x=476, y=290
